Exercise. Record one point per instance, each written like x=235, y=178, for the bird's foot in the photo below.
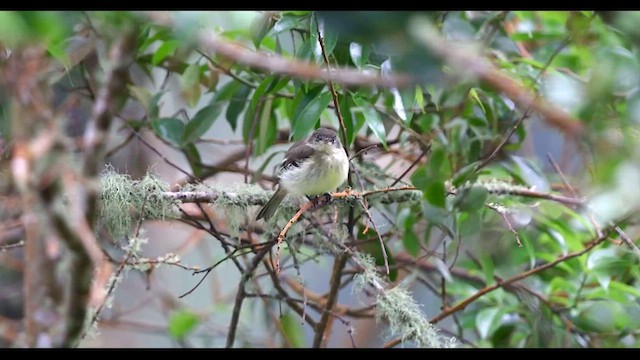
x=320, y=200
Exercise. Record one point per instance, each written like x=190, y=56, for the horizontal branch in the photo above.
x=386, y=195
x=298, y=69
x=470, y=61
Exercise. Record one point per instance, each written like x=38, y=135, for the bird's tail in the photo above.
x=271, y=206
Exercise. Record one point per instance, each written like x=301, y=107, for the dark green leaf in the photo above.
x=293, y=330
x=182, y=323
x=277, y=84
x=471, y=199
x=308, y=113
x=419, y=178
x=373, y=120
x=435, y=192
x=227, y=91
x=467, y=173
x=436, y=161
x=305, y=50
x=330, y=40
x=153, y=110
x=406, y=220
x=237, y=103
x=487, y=268
x=195, y=161
x=411, y=242
x=250, y=115
x=267, y=129
x=345, y=110
x=260, y=26
x=470, y=224
x=201, y=122
x=408, y=96
x=169, y=129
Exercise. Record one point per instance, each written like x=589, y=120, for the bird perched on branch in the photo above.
x=311, y=167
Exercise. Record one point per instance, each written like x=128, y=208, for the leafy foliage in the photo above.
x=493, y=207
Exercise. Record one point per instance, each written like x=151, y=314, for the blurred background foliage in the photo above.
x=454, y=135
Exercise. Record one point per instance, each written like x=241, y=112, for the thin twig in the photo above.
x=503, y=213
x=284, y=231
x=628, y=241
x=322, y=330
x=413, y=164
x=240, y=296
x=462, y=304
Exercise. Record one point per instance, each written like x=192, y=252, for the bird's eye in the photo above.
x=317, y=137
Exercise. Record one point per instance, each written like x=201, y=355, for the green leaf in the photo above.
x=166, y=49
x=250, y=114
x=634, y=292
x=227, y=91
x=195, y=161
x=267, y=129
x=471, y=199
x=470, y=223
x=260, y=26
x=330, y=40
x=359, y=54
x=406, y=219
x=474, y=95
x=308, y=113
x=408, y=96
x=286, y=22
x=488, y=320
x=153, y=110
x=59, y=54
x=237, y=103
x=373, y=120
x=435, y=192
x=182, y=323
x=305, y=50
x=436, y=161
x=487, y=268
x=598, y=316
x=352, y=122
x=420, y=178
x=293, y=330
x=13, y=28
x=201, y=122
x=169, y=129
x=411, y=242
x=190, y=84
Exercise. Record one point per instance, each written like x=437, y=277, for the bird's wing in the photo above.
x=296, y=154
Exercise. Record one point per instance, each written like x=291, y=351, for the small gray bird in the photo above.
x=311, y=167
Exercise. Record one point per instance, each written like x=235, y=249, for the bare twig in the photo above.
x=627, y=240
x=424, y=152
x=323, y=328
x=503, y=213
x=240, y=296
